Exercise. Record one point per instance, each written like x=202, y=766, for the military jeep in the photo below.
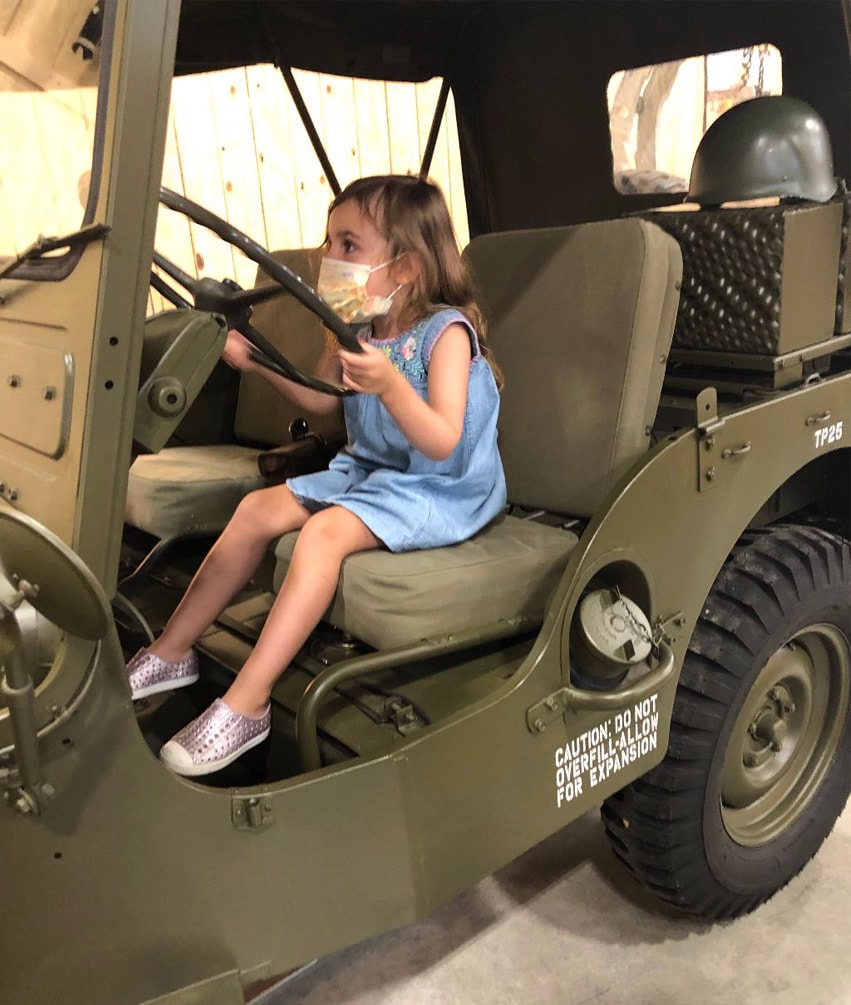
x=660, y=622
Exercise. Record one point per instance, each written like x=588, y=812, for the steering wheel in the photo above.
x=225, y=297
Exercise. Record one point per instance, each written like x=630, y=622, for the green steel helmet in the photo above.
x=769, y=146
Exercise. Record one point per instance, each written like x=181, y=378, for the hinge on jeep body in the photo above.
x=251, y=813
x=546, y=711
x=709, y=451
x=708, y=426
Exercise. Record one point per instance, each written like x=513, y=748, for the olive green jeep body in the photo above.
x=659, y=623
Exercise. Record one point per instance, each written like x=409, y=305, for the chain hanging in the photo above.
x=747, y=60
x=747, y=67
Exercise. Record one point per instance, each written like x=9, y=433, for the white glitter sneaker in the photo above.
x=149, y=674
x=214, y=740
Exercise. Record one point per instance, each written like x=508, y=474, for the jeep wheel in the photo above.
x=758, y=767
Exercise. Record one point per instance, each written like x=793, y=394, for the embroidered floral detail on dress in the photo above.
x=409, y=348
x=405, y=355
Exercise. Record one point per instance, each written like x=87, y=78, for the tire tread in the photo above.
x=654, y=825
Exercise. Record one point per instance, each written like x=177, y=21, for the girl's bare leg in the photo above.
x=326, y=539
x=260, y=517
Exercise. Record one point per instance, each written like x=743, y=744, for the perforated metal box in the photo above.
x=760, y=280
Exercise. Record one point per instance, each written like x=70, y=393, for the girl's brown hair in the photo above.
x=411, y=215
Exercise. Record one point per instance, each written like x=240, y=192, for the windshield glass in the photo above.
x=49, y=68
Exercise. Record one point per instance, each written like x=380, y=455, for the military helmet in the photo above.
x=769, y=146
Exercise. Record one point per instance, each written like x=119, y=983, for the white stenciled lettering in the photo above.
x=607, y=748
x=583, y=743
x=829, y=434
x=569, y=791
x=644, y=708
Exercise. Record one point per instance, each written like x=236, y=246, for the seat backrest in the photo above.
x=580, y=319
x=263, y=415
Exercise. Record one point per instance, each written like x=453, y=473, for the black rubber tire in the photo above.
x=728, y=817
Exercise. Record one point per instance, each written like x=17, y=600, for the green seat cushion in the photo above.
x=184, y=489
x=507, y=570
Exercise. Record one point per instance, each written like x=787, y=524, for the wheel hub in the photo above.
x=785, y=734
x=769, y=727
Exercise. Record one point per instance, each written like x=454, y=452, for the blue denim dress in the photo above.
x=407, y=500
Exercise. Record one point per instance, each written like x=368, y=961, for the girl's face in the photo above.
x=353, y=237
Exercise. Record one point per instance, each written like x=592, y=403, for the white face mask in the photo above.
x=343, y=286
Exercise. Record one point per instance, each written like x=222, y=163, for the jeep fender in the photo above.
x=673, y=519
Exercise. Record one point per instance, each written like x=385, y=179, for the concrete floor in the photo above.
x=565, y=925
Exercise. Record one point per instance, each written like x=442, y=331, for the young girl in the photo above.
x=421, y=468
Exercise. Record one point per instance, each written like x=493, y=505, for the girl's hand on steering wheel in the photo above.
x=369, y=371
x=236, y=351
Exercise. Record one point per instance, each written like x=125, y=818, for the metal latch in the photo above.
x=44, y=245
x=250, y=813
x=706, y=408
x=403, y=715
x=664, y=629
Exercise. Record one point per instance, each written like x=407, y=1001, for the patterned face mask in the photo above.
x=343, y=286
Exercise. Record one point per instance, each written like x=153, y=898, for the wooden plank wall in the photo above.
x=44, y=173
x=237, y=146
x=30, y=56
x=48, y=119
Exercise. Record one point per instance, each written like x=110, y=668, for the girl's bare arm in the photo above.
x=236, y=354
